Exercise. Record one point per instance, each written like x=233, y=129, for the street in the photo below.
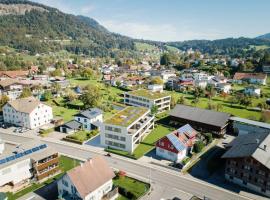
x=158, y=176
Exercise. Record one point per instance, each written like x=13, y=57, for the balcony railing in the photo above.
x=46, y=164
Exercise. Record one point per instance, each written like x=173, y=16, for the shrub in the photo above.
x=198, y=146
x=209, y=137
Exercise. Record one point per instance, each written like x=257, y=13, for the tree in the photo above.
x=173, y=102
x=26, y=92
x=56, y=87
x=156, y=80
x=4, y=99
x=219, y=107
x=209, y=137
x=226, y=74
x=87, y=73
x=245, y=101
x=154, y=109
x=233, y=100
x=198, y=146
x=57, y=72
x=91, y=97
x=118, y=84
x=181, y=100
x=165, y=59
x=47, y=95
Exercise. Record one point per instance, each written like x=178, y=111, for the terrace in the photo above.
x=127, y=116
x=148, y=94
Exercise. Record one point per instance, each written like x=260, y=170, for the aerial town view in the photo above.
x=134, y=100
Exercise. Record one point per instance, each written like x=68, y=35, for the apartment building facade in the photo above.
x=27, y=112
x=148, y=99
x=126, y=129
x=25, y=162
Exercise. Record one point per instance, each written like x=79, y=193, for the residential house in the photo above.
x=224, y=87
x=252, y=78
x=90, y=119
x=155, y=88
x=247, y=162
x=127, y=128
x=11, y=88
x=86, y=120
x=252, y=91
x=176, y=145
x=14, y=74
x=26, y=162
x=91, y=180
x=27, y=112
x=148, y=99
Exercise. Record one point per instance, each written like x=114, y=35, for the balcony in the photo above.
x=140, y=125
x=47, y=173
x=110, y=195
x=48, y=162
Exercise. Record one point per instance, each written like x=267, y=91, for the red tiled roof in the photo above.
x=14, y=74
x=240, y=76
x=90, y=175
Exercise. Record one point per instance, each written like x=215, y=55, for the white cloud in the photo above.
x=160, y=32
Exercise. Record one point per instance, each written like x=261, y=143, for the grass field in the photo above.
x=65, y=164
x=82, y=136
x=140, y=46
x=137, y=188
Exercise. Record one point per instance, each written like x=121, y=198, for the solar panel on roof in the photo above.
x=35, y=149
x=28, y=151
x=42, y=146
x=10, y=158
x=2, y=161
x=175, y=141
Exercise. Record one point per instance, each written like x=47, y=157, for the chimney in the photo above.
x=265, y=147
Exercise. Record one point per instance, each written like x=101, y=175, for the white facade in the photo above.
x=87, y=123
x=126, y=138
x=252, y=91
x=155, y=88
x=41, y=115
x=16, y=173
x=168, y=155
x=65, y=186
x=163, y=103
x=2, y=146
x=201, y=83
x=226, y=88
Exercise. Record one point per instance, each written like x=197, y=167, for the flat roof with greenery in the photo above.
x=126, y=116
x=148, y=94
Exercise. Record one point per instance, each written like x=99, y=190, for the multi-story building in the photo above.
x=247, y=162
x=11, y=88
x=21, y=163
x=91, y=180
x=148, y=99
x=27, y=112
x=127, y=128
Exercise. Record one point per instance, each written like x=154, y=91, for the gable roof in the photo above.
x=14, y=74
x=204, y=116
x=90, y=175
x=7, y=82
x=254, y=145
x=73, y=124
x=25, y=105
x=240, y=76
x=176, y=142
x=90, y=113
x=187, y=130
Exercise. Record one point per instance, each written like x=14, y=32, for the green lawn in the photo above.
x=137, y=188
x=146, y=145
x=83, y=135
x=65, y=164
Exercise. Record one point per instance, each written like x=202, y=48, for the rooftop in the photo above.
x=16, y=153
x=148, y=94
x=127, y=116
x=25, y=105
x=239, y=76
x=90, y=113
x=256, y=145
x=204, y=116
x=91, y=175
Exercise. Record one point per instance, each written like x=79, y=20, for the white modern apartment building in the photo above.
x=127, y=128
x=27, y=112
x=148, y=99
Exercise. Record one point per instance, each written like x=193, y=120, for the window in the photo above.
x=79, y=119
x=85, y=126
x=85, y=120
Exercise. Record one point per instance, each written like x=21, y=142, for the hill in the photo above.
x=265, y=36
x=39, y=28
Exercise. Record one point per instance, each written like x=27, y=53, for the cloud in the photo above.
x=160, y=32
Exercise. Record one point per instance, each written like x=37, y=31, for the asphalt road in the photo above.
x=159, y=177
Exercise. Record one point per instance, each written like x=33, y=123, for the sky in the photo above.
x=174, y=20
